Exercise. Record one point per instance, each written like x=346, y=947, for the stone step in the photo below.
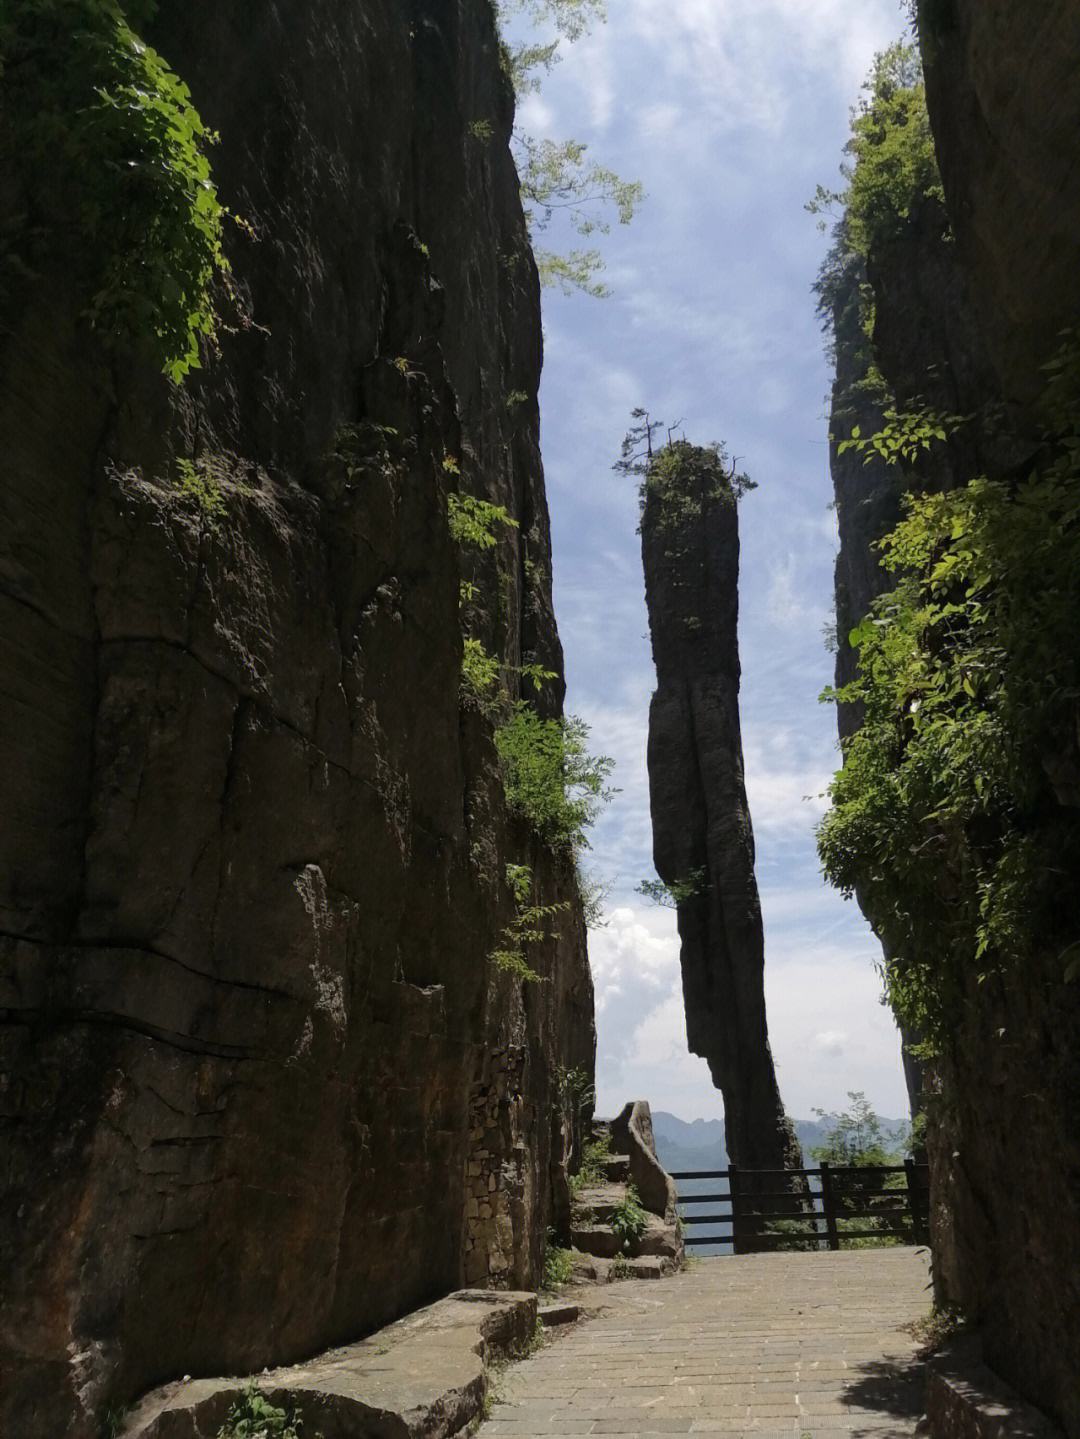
x=553, y=1314
x=597, y=1203
x=617, y=1168
x=598, y=1239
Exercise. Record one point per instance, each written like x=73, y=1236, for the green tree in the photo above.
x=855, y=1136
x=558, y=178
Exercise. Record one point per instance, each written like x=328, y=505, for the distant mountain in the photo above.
x=699, y=1143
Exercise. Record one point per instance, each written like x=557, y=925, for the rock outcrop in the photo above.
x=262, y=1090
x=703, y=844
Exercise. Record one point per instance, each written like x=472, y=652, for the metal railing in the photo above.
x=818, y=1208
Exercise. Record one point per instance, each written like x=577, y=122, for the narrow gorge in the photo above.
x=302, y=838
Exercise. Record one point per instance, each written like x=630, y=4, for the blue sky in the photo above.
x=730, y=112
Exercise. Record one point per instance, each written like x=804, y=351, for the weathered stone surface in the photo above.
x=422, y=1378
x=964, y=1400
x=632, y=1131
x=261, y=1090
x=1005, y=106
x=701, y=822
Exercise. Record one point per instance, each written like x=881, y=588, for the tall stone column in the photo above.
x=703, y=843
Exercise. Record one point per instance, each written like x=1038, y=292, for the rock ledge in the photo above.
x=422, y=1378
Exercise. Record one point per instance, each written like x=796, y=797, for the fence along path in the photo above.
x=891, y=1200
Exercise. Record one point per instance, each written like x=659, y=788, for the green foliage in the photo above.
x=944, y=815
x=629, y=1219
x=593, y=893
x=856, y=1140
x=938, y=1328
x=558, y=1265
x=550, y=777
x=680, y=891
x=112, y=157
x=855, y=1137
x=892, y=165
x=557, y=178
x=526, y=928
x=677, y=474
x=367, y=447
x=590, y=1171
x=904, y=437
x=575, y=1089
x=479, y=672
x=198, y=481
x=482, y=130
x=472, y=521
x=621, y=1268
x=254, y=1417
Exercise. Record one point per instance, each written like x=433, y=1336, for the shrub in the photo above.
x=558, y=1267
x=591, y=1169
x=525, y=928
x=629, y=1219
x=944, y=814
x=550, y=777
x=254, y=1417
x=473, y=521
x=113, y=156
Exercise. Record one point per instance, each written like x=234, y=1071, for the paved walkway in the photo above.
x=768, y=1345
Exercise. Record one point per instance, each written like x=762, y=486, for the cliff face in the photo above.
x=928, y=350
x=963, y=322
x=262, y=1089
x=1005, y=106
x=702, y=835
x=1004, y=103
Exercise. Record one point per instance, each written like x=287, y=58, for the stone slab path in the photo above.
x=768, y=1345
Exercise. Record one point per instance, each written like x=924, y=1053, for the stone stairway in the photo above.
x=600, y=1252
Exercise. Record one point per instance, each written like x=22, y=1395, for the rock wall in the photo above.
x=701, y=823
x=261, y=1089
x=965, y=317
x=1004, y=102
x=1005, y=105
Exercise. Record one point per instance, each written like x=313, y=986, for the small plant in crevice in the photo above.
x=933, y=1331
x=550, y=777
x=479, y=673
x=591, y=1169
x=254, y=1417
x=558, y=1265
x=473, y=521
x=621, y=1268
x=575, y=1090
x=593, y=893
x=679, y=891
x=629, y=1218
x=525, y=929
x=196, y=480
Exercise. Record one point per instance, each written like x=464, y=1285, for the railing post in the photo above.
x=733, y=1191
x=915, y=1203
x=828, y=1204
